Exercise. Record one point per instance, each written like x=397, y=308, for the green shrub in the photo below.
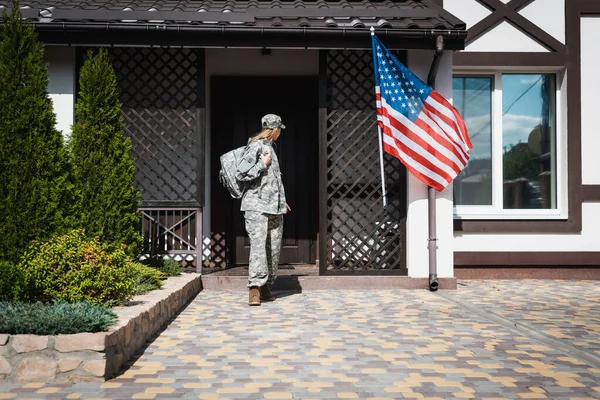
x=145, y=278
x=10, y=279
x=168, y=266
x=34, y=181
x=53, y=319
x=103, y=168
x=74, y=268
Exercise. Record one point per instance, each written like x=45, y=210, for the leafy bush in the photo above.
x=10, y=279
x=34, y=181
x=74, y=268
x=168, y=266
x=53, y=319
x=145, y=278
x=103, y=168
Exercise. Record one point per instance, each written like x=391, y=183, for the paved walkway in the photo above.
x=488, y=339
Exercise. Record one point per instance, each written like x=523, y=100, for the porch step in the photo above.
x=300, y=283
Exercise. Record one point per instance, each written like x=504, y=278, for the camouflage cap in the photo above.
x=272, y=121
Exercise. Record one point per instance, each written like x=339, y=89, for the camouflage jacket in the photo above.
x=265, y=192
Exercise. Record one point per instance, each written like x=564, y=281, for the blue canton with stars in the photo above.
x=400, y=88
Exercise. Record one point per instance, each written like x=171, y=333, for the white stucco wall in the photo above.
x=417, y=219
x=590, y=103
x=248, y=62
x=61, y=85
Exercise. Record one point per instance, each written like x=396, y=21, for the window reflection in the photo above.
x=528, y=141
x=472, y=97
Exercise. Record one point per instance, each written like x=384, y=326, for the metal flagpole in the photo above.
x=382, y=169
x=383, y=191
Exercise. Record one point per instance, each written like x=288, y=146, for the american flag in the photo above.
x=419, y=126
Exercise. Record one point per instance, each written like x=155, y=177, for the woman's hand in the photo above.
x=288, y=207
x=266, y=158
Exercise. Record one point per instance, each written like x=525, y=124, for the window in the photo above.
x=512, y=121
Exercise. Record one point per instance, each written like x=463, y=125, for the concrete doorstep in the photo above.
x=300, y=283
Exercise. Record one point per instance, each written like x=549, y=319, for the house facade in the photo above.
x=526, y=83
x=196, y=76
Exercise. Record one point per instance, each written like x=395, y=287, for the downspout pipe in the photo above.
x=431, y=195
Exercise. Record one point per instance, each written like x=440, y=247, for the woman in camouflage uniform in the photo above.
x=263, y=205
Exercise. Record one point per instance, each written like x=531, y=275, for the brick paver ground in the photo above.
x=488, y=340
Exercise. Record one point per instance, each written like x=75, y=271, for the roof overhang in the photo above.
x=408, y=25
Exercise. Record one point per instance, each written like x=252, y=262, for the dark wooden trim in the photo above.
x=557, y=272
x=201, y=127
x=573, y=40
x=590, y=193
x=518, y=4
x=530, y=258
x=322, y=160
x=508, y=59
x=516, y=226
x=589, y=6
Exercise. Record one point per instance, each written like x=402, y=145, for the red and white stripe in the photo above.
x=434, y=148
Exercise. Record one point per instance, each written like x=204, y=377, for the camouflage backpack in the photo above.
x=229, y=164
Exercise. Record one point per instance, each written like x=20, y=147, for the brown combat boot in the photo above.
x=265, y=293
x=254, y=296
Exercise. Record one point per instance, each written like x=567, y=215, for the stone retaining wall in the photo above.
x=95, y=356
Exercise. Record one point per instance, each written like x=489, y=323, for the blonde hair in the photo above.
x=269, y=134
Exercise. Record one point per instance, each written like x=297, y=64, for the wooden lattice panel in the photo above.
x=159, y=89
x=362, y=236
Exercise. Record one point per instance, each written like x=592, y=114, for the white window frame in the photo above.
x=496, y=210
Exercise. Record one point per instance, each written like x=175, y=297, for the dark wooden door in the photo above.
x=238, y=103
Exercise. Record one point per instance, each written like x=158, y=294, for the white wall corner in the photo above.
x=590, y=133
x=61, y=85
x=419, y=62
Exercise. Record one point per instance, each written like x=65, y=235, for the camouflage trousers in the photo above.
x=265, y=232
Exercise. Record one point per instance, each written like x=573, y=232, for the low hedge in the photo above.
x=55, y=318
x=73, y=267
x=145, y=278
x=168, y=266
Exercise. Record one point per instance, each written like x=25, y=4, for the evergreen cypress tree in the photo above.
x=33, y=161
x=103, y=168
